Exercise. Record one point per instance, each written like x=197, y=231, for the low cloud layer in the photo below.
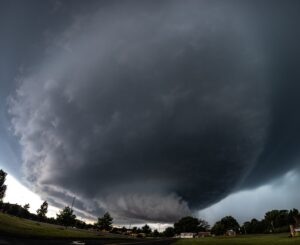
x=152, y=111
x=281, y=193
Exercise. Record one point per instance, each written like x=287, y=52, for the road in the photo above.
x=28, y=241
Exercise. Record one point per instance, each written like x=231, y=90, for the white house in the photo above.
x=187, y=235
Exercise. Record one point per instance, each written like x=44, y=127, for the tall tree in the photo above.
x=254, y=227
x=42, y=211
x=218, y=228
x=66, y=217
x=294, y=217
x=230, y=223
x=2, y=185
x=156, y=233
x=25, y=210
x=26, y=207
x=146, y=229
x=226, y=223
x=190, y=224
x=169, y=232
x=105, y=222
x=270, y=218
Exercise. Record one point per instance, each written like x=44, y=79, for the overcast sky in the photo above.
x=152, y=110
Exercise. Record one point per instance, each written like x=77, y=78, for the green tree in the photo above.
x=105, y=222
x=26, y=207
x=218, y=228
x=156, y=233
x=146, y=229
x=169, y=232
x=277, y=218
x=226, y=223
x=66, y=217
x=42, y=211
x=230, y=223
x=282, y=219
x=25, y=211
x=254, y=227
x=2, y=185
x=270, y=219
x=190, y=224
x=80, y=224
x=246, y=228
x=203, y=225
x=293, y=216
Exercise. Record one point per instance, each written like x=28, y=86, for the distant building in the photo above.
x=230, y=233
x=187, y=235
x=295, y=228
x=295, y=231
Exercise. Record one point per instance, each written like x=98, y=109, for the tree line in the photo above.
x=275, y=221
x=66, y=216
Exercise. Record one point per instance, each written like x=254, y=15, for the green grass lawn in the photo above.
x=15, y=226
x=279, y=239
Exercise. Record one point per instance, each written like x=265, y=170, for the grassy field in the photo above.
x=280, y=239
x=14, y=226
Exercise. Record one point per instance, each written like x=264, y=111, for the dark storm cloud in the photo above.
x=281, y=147
x=152, y=111
x=22, y=45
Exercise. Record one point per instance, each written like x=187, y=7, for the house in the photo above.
x=295, y=228
x=187, y=235
x=295, y=231
x=230, y=233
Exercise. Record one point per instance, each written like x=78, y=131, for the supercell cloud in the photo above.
x=155, y=110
